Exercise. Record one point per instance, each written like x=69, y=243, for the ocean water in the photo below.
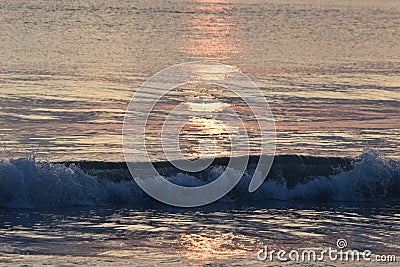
x=68, y=70
x=330, y=72
x=60, y=215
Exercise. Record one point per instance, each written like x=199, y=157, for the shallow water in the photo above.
x=59, y=215
x=220, y=234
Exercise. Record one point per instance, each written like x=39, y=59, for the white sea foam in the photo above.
x=372, y=178
x=25, y=183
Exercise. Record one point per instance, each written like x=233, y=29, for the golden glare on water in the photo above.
x=208, y=123
x=207, y=107
x=204, y=137
x=205, y=126
x=211, y=72
x=218, y=246
x=211, y=34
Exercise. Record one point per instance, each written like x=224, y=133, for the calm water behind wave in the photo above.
x=68, y=70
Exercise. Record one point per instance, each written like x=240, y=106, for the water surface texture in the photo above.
x=68, y=70
x=330, y=71
x=219, y=236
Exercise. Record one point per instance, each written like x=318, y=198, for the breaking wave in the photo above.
x=25, y=183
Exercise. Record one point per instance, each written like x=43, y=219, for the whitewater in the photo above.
x=25, y=183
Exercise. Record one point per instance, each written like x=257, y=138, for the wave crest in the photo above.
x=371, y=178
x=25, y=183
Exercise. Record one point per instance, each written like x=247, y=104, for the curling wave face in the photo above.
x=25, y=183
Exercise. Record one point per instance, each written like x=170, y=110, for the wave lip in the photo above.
x=371, y=178
x=25, y=183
